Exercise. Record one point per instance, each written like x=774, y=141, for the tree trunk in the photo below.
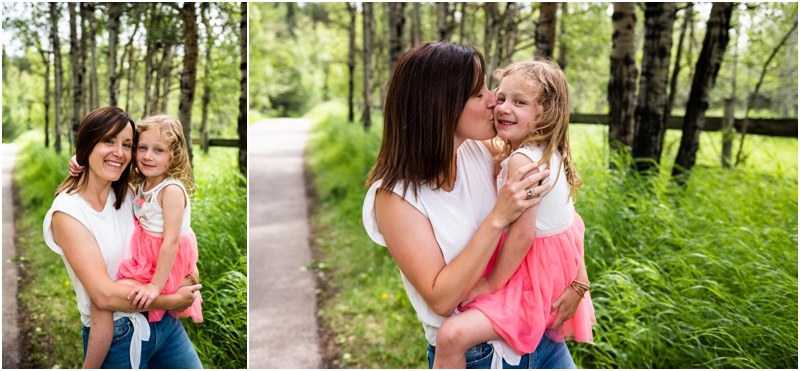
x=546, y=30
x=727, y=132
x=369, y=25
x=562, y=43
x=705, y=74
x=59, y=74
x=416, y=26
x=622, y=80
x=462, y=23
x=133, y=64
x=351, y=63
x=242, y=121
x=206, y=79
x=444, y=21
x=758, y=87
x=507, y=40
x=397, y=22
x=676, y=69
x=77, y=74
x=491, y=35
x=166, y=75
x=85, y=41
x=114, y=13
x=94, y=91
x=650, y=108
x=148, y=77
x=189, y=74
x=46, y=60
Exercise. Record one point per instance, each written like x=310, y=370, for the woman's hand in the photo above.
x=566, y=304
x=143, y=295
x=513, y=198
x=185, y=296
x=75, y=169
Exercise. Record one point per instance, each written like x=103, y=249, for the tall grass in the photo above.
x=219, y=221
x=702, y=277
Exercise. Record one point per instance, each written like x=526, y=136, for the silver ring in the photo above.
x=530, y=195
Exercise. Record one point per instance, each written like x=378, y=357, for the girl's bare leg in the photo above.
x=459, y=333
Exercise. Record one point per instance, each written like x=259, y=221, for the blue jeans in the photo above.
x=168, y=347
x=548, y=355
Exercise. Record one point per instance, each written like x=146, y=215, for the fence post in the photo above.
x=728, y=132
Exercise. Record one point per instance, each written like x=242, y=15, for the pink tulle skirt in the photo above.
x=520, y=311
x=142, y=265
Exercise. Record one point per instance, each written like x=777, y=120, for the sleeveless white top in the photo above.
x=455, y=217
x=149, y=211
x=112, y=229
x=555, y=211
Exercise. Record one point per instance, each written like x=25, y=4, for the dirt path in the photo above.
x=282, y=303
x=10, y=325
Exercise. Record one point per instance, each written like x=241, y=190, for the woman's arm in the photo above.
x=84, y=256
x=172, y=202
x=410, y=239
x=567, y=303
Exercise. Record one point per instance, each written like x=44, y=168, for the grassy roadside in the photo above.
x=681, y=278
x=50, y=320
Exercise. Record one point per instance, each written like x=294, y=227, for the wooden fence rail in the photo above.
x=217, y=142
x=782, y=127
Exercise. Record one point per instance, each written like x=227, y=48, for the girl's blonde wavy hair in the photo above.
x=550, y=128
x=172, y=132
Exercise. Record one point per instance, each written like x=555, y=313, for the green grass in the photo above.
x=704, y=277
x=219, y=221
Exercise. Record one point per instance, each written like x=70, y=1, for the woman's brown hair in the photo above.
x=427, y=92
x=98, y=125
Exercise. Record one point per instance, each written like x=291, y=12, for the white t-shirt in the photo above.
x=149, y=211
x=455, y=217
x=555, y=211
x=112, y=230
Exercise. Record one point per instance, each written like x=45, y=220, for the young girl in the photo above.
x=521, y=305
x=163, y=247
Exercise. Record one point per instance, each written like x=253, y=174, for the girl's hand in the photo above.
x=566, y=304
x=186, y=296
x=480, y=288
x=75, y=169
x=143, y=295
x=513, y=199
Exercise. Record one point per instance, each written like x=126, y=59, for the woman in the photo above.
x=90, y=225
x=432, y=200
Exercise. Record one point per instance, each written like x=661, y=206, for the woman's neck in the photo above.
x=96, y=192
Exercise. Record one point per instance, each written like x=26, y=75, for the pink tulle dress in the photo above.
x=520, y=311
x=146, y=244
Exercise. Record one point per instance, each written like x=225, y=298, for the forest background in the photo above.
x=693, y=265
x=62, y=60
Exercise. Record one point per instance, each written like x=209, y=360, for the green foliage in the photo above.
x=219, y=221
x=46, y=294
x=702, y=278
x=290, y=79
x=29, y=26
